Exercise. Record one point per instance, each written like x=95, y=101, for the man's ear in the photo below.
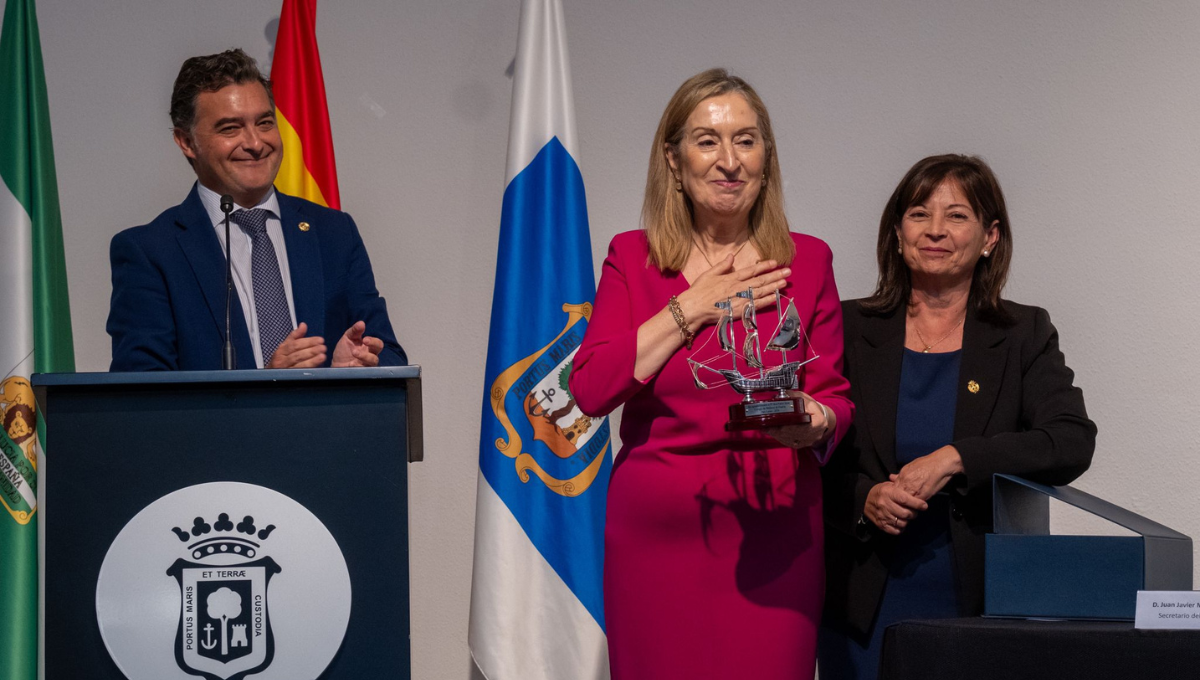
x=185, y=142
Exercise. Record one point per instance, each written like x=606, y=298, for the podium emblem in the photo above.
x=224, y=620
x=223, y=581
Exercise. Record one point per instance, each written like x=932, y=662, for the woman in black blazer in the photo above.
x=952, y=384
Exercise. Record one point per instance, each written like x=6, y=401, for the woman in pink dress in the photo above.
x=713, y=547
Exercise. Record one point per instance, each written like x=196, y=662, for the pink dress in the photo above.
x=713, y=564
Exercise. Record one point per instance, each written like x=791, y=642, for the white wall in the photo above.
x=1087, y=110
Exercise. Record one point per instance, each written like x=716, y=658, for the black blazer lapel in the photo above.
x=203, y=251
x=980, y=375
x=304, y=261
x=880, y=353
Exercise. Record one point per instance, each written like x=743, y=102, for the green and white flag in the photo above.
x=35, y=321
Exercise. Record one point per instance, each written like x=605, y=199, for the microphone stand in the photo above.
x=228, y=358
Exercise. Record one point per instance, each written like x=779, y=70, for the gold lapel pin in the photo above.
x=304, y=226
x=972, y=387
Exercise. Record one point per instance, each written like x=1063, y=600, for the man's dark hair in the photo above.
x=209, y=74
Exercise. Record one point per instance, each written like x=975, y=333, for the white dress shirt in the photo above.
x=239, y=254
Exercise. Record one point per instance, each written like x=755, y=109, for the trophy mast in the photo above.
x=781, y=409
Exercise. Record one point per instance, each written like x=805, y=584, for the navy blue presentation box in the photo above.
x=1029, y=573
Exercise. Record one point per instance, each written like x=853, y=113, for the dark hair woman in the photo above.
x=952, y=384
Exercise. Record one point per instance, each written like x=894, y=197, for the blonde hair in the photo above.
x=667, y=213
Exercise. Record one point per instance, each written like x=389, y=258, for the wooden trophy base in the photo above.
x=758, y=415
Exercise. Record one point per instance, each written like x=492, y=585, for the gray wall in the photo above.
x=1086, y=109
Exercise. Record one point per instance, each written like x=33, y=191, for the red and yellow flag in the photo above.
x=308, y=168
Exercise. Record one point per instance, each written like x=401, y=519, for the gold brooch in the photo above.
x=972, y=387
x=304, y=226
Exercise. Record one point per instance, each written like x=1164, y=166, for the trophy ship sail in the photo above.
x=780, y=409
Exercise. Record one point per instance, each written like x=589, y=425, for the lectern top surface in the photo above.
x=260, y=375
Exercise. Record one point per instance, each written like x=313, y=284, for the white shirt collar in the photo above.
x=212, y=204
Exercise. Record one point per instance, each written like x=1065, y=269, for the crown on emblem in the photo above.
x=224, y=539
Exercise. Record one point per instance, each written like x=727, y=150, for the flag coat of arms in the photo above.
x=35, y=321
x=536, y=602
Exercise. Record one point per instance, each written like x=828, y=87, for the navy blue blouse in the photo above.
x=921, y=581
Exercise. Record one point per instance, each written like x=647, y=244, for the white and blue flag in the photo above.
x=536, y=603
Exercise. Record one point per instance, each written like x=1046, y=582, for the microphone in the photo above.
x=228, y=360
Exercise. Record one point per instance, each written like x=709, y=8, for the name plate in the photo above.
x=767, y=408
x=1176, y=609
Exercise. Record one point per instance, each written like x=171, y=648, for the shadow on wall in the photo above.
x=270, y=31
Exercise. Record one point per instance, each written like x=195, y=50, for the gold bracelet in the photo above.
x=677, y=312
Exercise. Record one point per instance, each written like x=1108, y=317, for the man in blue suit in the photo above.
x=300, y=270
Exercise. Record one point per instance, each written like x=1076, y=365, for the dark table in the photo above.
x=1011, y=649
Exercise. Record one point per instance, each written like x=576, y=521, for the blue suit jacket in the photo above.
x=168, y=298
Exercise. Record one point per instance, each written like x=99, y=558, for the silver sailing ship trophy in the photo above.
x=751, y=413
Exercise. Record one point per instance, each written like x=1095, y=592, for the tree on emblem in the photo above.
x=564, y=376
x=223, y=604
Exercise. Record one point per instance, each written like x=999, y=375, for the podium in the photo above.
x=225, y=524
